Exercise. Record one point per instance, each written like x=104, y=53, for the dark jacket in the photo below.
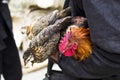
x=10, y=65
x=104, y=23
x=5, y=22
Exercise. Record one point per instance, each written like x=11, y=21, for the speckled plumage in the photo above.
x=45, y=43
x=33, y=29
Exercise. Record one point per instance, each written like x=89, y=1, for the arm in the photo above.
x=104, y=60
x=96, y=66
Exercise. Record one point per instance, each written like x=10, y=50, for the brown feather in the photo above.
x=81, y=35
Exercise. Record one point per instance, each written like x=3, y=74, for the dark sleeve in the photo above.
x=66, y=4
x=105, y=58
x=77, y=8
x=98, y=65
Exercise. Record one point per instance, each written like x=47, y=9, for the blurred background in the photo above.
x=23, y=13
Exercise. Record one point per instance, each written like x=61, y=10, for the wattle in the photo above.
x=69, y=52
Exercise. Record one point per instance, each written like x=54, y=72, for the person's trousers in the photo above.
x=10, y=66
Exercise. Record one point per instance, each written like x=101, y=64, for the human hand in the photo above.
x=54, y=57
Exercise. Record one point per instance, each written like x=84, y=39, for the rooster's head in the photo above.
x=76, y=42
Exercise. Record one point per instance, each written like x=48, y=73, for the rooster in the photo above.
x=76, y=41
x=45, y=43
x=44, y=35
